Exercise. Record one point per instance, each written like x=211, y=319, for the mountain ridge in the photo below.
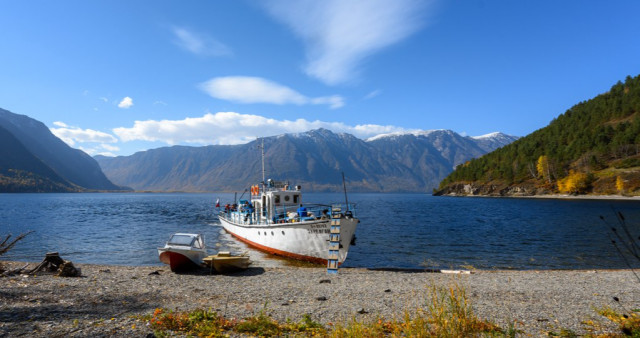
x=314, y=159
x=79, y=170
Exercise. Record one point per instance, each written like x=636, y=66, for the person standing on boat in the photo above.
x=302, y=211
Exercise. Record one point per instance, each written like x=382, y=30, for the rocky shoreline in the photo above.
x=526, y=191
x=106, y=300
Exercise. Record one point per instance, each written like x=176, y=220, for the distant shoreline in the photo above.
x=558, y=196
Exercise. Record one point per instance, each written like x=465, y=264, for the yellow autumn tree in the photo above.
x=620, y=184
x=543, y=168
x=575, y=183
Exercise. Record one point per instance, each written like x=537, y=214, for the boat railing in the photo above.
x=313, y=212
x=290, y=214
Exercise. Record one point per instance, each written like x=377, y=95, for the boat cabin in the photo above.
x=190, y=240
x=276, y=202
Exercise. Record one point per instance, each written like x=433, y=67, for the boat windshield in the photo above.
x=181, y=240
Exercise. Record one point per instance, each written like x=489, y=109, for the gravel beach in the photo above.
x=106, y=299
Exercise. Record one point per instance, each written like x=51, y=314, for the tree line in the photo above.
x=591, y=136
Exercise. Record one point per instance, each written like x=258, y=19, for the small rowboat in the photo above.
x=225, y=262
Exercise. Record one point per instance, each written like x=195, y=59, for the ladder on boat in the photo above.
x=334, y=241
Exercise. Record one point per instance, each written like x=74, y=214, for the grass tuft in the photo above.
x=447, y=313
x=629, y=323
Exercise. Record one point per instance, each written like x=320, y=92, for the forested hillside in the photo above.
x=594, y=147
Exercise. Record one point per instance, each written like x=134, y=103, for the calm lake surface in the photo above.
x=396, y=230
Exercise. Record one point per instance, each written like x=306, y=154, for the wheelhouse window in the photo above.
x=296, y=199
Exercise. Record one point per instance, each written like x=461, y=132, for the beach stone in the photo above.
x=321, y=298
x=322, y=281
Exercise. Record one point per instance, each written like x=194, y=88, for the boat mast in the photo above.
x=344, y=185
x=263, y=207
x=262, y=147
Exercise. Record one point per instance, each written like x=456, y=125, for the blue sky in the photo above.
x=116, y=77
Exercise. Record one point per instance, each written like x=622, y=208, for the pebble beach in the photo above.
x=107, y=300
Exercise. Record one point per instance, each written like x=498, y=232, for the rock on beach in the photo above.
x=106, y=300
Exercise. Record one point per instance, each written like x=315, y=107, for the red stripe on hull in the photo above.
x=178, y=262
x=280, y=252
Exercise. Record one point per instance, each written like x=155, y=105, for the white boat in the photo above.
x=275, y=220
x=183, y=252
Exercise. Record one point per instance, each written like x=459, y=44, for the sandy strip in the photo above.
x=102, y=302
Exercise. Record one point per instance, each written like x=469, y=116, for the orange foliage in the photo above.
x=620, y=184
x=575, y=183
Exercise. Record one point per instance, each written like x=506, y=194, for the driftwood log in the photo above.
x=54, y=263
x=17, y=271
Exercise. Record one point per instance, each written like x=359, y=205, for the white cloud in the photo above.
x=162, y=103
x=233, y=128
x=73, y=135
x=199, y=44
x=373, y=94
x=102, y=149
x=340, y=34
x=245, y=89
x=103, y=99
x=109, y=147
x=126, y=103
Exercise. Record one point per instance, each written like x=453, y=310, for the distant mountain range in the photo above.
x=408, y=162
x=32, y=159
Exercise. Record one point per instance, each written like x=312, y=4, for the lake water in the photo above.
x=396, y=230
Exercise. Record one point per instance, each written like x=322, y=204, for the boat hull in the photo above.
x=307, y=241
x=180, y=260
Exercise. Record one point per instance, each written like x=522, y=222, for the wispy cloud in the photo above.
x=72, y=135
x=245, y=89
x=126, y=103
x=233, y=128
x=198, y=43
x=340, y=34
x=373, y=94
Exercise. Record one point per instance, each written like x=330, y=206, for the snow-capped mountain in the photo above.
x=493, y=141
x=415, y=162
